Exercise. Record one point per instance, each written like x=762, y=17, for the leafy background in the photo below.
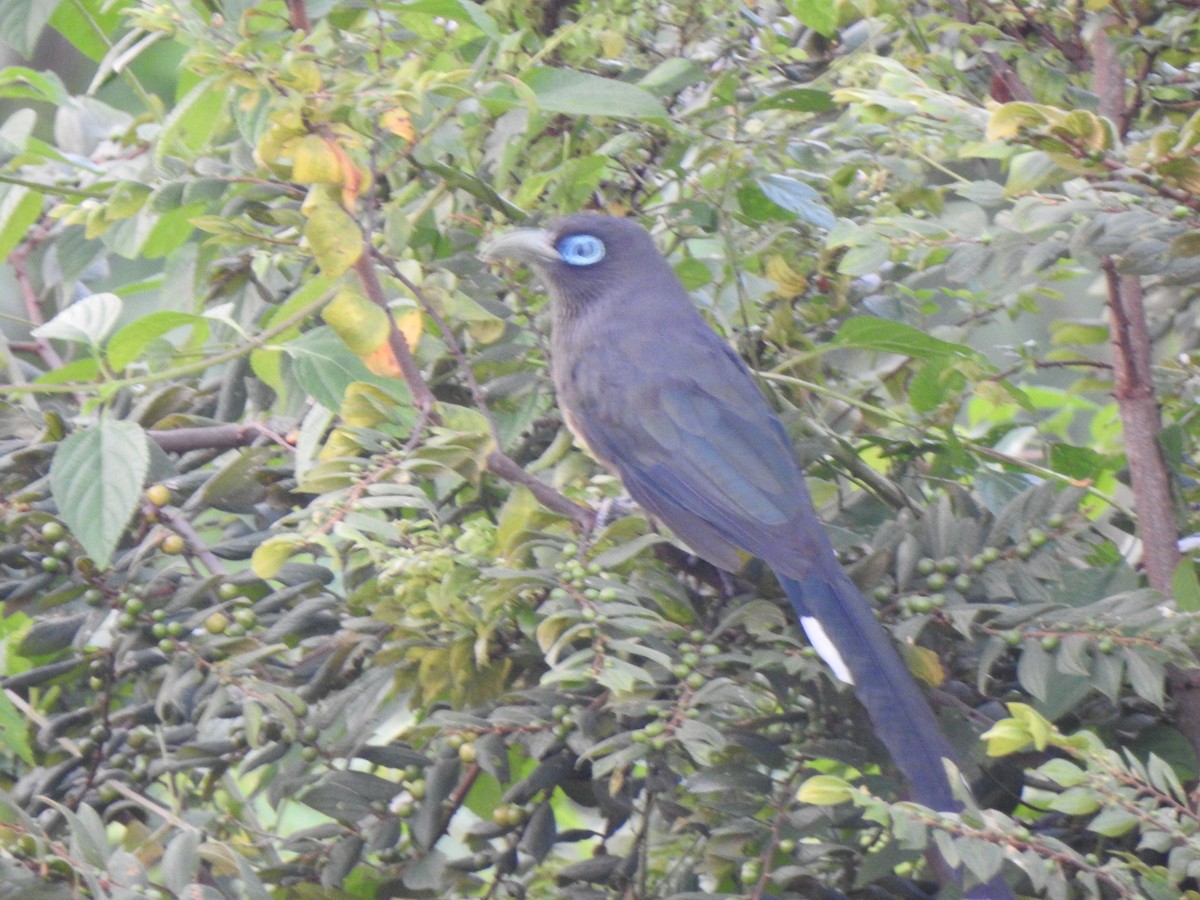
x=302, y=597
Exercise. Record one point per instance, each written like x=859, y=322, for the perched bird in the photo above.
x=659, y=398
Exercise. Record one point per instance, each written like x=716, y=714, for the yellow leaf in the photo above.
x=365, y=405
x=361, y=324
x=269, y=556
x=926, y=665
x=315, y=160
x=333, y=236
x=1010, y=118
x=397, y=121
x=339, y=445
x=825, y=790
x=791, y=283
x=1005, y=737
x=612, y=43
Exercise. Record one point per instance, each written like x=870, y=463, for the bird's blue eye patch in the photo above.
x=580, y=249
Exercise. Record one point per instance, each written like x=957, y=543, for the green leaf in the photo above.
x=96, y=479
x=1185, y=586
x=87, y=321
x=14, y=730
x=1078, y=801
x=797, y=197
x=20, y=83
x=797, y=100
x=324, y=366
x=1080, y=463
x=1030, y=171
x=693, y=273
x=90, y=25
x=671, y=76
x=461, y=11
x=819, y=15
x=1146, y=674
x=128, y=343
x=1113, y=822
x=191, y=122
x=22, y=21
x=887, y=336
x=19, y=209
x=581, y=94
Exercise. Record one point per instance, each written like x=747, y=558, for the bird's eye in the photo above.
x=580, y=249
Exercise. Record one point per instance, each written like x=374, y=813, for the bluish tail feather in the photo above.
x=857, y=648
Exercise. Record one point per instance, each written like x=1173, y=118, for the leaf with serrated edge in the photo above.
x=96, y=479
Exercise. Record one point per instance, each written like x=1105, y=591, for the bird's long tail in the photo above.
x=843, y=630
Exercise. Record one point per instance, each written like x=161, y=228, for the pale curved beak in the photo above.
x=527, y=245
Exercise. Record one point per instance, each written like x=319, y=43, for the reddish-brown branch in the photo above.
x=1133, y=385
x=417, y=386
x=19, y=259
x=298, y=16
x=497, y=462
x=504, y=467
x=214, y=437
x=1108, y=78
x=1013, y=87
x=1141, y=422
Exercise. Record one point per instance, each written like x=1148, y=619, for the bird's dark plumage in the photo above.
x=661, y=399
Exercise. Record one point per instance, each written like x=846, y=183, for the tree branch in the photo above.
x=422, y=396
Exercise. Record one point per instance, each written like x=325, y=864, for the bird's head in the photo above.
x=583, y=257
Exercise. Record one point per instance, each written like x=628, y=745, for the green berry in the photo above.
x=926, y=566
x=53, y=531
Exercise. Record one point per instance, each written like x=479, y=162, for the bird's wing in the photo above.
x=700, y=449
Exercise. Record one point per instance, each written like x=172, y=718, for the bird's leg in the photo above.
x=611, y=509
x=728, y=585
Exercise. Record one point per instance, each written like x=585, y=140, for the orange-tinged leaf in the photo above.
x=382, y=361
x=315, y=160
x=398, y=122
x=361, y=324
x=411, y=324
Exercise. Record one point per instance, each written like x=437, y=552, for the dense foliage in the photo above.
x=303, y=592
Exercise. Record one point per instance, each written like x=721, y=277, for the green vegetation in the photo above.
x=300, y=594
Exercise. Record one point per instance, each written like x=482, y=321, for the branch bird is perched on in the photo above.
x=658, y=397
